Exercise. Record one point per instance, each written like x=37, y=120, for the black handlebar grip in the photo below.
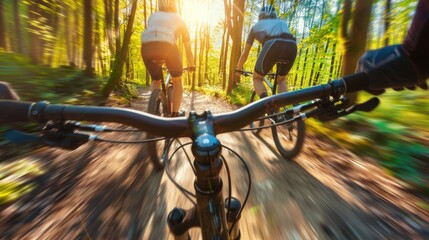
x=356, y=82
x=14, y=111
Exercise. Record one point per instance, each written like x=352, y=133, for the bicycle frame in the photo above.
x=209, y=213
x=165, y=84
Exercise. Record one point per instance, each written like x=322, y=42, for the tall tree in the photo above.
x=235, y=28
x=354, y=38
x=34, y=28
x=87, y=38
x=18, y=30
x=387, y=21
x=118, y=64
x=2, y=28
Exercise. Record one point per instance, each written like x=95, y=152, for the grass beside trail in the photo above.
x=35, y=83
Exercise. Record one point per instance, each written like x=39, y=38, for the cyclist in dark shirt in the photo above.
x=278, y=44
x=405, y=65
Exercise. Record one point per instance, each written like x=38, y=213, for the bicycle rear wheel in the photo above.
x=258, y=123
x=158, y=150
x=288, y=137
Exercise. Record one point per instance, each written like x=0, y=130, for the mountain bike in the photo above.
x=288, y=136
x=160, y=104
x=217, y=217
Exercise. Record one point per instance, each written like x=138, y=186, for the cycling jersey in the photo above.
x=165, y=27
x=266, y=29
x=278, y=45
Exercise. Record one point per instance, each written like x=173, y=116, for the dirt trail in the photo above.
x=105, y=191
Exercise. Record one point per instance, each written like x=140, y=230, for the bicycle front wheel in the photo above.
x=158, y=150
x=288, y=137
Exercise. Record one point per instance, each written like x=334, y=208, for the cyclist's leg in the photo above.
x=258, y=85
x=263, y=65
x=288, y=50
x=175, y=67
x=152, y=55
x=177, y=94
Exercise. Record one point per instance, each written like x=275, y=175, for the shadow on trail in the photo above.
x=288, y=200
x=124, y=207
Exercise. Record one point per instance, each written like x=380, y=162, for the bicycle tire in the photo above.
x=158, y=150
x=289, y=138
x=254, y=97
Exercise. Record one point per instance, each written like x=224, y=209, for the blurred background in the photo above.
x=88, y=52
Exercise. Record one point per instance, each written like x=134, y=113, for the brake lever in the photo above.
x=62, y=140
x=70, y=141
x=333, y=111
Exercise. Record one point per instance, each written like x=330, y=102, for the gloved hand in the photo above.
x=7, y=92
x=390, y=67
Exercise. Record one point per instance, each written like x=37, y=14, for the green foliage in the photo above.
x=13, y=179
x=395, y=134
x=35, y=83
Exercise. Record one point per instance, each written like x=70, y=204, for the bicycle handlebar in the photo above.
x=18, y=111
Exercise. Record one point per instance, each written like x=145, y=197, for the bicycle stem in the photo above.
x=209, y=213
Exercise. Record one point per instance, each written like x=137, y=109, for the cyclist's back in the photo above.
x=278, y=44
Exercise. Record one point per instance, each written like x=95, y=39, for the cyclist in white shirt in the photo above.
x=159, y=44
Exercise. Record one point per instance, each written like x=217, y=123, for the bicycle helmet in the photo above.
x=267, y=12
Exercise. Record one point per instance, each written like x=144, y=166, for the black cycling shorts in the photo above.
x=155, y=53
x=276, y=50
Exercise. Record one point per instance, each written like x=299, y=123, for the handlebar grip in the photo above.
x=14, y=111
x=356, y=82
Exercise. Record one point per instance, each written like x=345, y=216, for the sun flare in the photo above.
x=202, y=11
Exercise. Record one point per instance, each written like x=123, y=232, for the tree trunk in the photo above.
x=117, y=29
x=225, y=61
x=18, y=30
x=36, y=43
x=145, y=26
x=118, y=65
x=87, y=38
x=2, y=28
x=387, y=22
x=237, y=21
x=354, y=39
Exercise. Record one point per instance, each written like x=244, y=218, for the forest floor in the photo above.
x=105, y=191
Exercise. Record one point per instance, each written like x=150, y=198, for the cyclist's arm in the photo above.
x=189, y=55
x=244, y=56
x=187, y=43
x=249, y=42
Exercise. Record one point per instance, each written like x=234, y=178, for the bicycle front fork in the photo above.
x=180, y=220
